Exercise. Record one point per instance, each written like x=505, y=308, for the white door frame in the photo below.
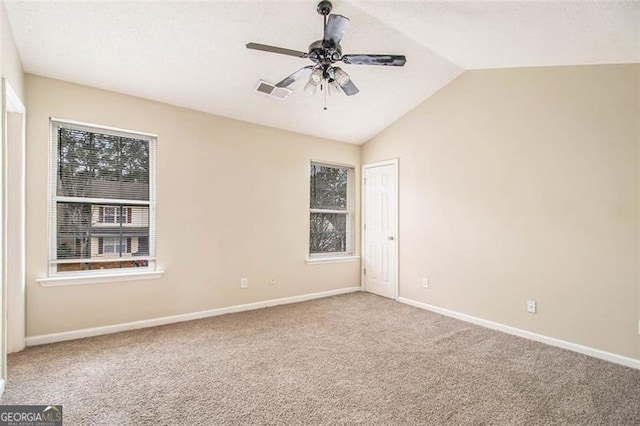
x=390, y=162
x=14, y=152
x=3, y=287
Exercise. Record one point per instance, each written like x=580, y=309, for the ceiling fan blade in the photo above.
x=333, y=31
x=391, y=60
x=349, y=88
x=286, y=82
x=274, y=49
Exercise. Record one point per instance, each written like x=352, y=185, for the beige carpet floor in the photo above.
x=352, y=359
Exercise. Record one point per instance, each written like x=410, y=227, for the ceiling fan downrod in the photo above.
x=324, y=9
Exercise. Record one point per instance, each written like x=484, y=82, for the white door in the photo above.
x=380, y=236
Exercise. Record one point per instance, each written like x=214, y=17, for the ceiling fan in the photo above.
x=325, y=53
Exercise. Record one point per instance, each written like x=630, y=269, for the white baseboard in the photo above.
x=97, y=331
x=586, y=350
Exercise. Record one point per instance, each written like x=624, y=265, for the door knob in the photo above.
x=390, y=238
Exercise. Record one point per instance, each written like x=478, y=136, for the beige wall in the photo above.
x=233, y=202
x=514, y=184
x=521, y=184
x=10, y=61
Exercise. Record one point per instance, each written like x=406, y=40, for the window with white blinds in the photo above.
x=102, y=215
x=331, y=211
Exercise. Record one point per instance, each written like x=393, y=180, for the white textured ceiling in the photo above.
x=193, y=54
x=506, y=34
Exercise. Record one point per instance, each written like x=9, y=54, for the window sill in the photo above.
x=330, y=259
x=98, y=278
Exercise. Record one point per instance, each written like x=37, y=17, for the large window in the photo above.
x=330, y=210
x=103, y=199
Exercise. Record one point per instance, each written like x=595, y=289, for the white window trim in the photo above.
x=55, y=278
x=349, y=254
x=331, y=259
x=82, y=278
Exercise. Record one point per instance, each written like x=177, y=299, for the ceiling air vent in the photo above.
x=270, y=89
x=280, y=93
x=264, y=87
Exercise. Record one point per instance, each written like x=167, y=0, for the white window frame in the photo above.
x=350, y=214
x=56, y=278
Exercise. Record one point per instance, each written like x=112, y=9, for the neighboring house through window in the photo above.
x=331, y=211
x=103, y=198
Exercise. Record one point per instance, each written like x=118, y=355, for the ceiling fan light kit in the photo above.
x=340, y=76
x=324, y=54
x=316, y=77
x=310, y=87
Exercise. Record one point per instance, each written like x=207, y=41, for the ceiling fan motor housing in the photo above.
x=324, y=53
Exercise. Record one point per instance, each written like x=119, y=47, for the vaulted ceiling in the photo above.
x=193, y=54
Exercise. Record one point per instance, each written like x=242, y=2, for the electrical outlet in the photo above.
x=244, y=282
x=425, y=283
x=531, y=306
x=272, y=280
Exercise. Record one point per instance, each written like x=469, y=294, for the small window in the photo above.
x=114, y=214
x=103, y=199
x=331, y=212
x=114, y=245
